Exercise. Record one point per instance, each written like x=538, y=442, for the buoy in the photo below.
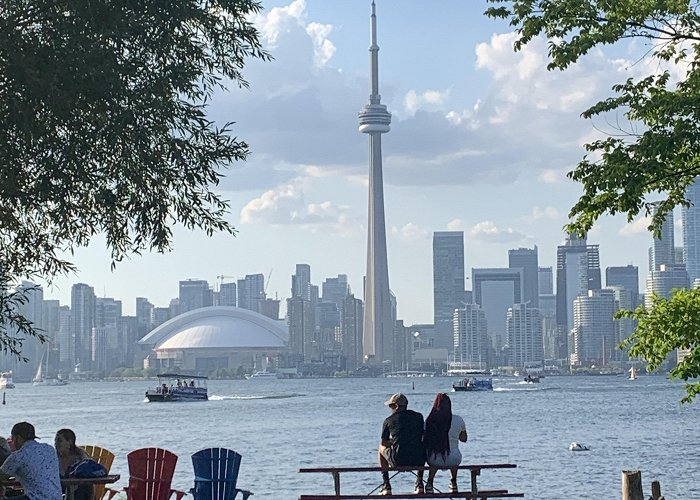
x=3, y=397
x=414, y=386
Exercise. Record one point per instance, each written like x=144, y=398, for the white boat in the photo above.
x=6, y=380
x=633, y=373
x=263, y=374
x=41, y=379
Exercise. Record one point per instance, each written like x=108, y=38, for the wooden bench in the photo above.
x=473, y=494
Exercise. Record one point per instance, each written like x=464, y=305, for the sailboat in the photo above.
x=633, y=373
x=41, y=378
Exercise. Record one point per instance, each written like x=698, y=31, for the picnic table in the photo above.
x=70, y=483
x=472, y=493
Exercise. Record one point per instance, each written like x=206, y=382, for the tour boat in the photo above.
x=473, y=384
x=6, y=380
x=178, y=387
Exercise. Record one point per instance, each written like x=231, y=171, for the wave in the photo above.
x=215, y=397
x=528, y=388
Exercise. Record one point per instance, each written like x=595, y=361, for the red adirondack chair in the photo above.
x=150, y=475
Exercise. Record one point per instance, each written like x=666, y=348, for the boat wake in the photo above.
x=215, y=397
x=522, y=387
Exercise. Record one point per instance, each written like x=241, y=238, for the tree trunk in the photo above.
x=632, y=485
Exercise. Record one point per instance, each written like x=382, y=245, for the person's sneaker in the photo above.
x=385, y=490
x=429, y=488
x=419, y=488
x=453, y=487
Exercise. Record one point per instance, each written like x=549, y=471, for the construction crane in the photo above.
x=267, y=282
x=221, y=279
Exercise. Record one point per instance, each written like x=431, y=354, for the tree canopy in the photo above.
x=104, y=127
x=658, y=157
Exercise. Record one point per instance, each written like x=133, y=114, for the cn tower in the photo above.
x=374, y=121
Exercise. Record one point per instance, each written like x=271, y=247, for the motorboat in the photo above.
x=473, y=384
x=6, y=380
x=532, y=380
x=178, y=387
x=263, y=374
x=578, y=447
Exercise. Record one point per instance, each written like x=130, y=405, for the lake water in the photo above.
x=279, y=426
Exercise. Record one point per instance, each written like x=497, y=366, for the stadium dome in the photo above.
x=216, y=337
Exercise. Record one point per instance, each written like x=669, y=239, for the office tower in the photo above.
x=690, y=219
x=270, y=308
x=144, y=316
x=82, y=299
x=66, y=345
x=626, y=277
x=663, y=281
x=227, y=294
x=624, y=327
x=472, y=346
x=335, y=289
x=524, y=335
x=448, y=283
x=378, y=326
x=495, y=290
x=592, y=337
x=33, y=311
x=351, y=315
x=662, y=249
x=51, y=316
x=526, y=259
x=301, y=282
x=578, y=270
x=194, y=294
x=110, y=353
x=99, y=349
x=545, y=280
x=251, y=290
x=301, y=320
x=402, y=346
x=160, y=316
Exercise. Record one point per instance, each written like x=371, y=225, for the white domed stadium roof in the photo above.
x=218, y=328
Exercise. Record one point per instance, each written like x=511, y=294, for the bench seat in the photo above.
x=466, y=495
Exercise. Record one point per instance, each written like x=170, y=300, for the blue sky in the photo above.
x=481, y=140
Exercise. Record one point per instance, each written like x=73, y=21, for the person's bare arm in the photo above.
x=463, y=436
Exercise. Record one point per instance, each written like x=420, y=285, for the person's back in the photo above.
x=405, y=428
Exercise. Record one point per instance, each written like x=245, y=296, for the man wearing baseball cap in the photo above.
x=35, y=465
x=401, y=442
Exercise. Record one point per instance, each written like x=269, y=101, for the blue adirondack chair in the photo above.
x=215, y=475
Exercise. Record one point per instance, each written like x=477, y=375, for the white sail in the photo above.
x=38, y=377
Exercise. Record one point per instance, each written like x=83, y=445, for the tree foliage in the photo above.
x=104, y=128
x=657, y=156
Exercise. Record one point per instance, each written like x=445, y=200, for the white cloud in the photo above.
x=488, y=232
x=410, y=232
x=547, y=212
x=429, y=99
x=280, y=20
x=456, y=225
x=323, y=47
x=552, y=176
x=637, y=226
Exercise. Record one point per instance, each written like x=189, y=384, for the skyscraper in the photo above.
x=526, y=259
x=495, y=290
x=374, y=120
x=626, y=277
x=471, y=342
x=662, y=249
x=82, y=305
x=251, y=290
x=301, y=282
x=578, y=270
x=195, y=294
x=448, y=283
x=690, y=218
x=593, y=334
x=227, y=294
x=524, y=335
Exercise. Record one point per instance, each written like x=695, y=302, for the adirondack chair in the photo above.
x=150, y=475
x=101, y=456
x=216, y=474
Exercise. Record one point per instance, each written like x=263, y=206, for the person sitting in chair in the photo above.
x=68, y=455
x=35, y=465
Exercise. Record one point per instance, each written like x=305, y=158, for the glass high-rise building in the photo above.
x=663, y=249
x=626, y=277
x=195, y=294
x=82, y=298
x=448, y=283
x=526, y=259
x=251, y=290
x=690, y=218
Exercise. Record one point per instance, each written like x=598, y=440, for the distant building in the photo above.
x=335, y=289
x=251, y=290
x=663, y=249
x=626, y=277
x=195, y=294
x=448, y=283
x=227, y=294
x=82, y=322
x=624, y=327
x=526, y=259
x=351, y=316
x=690, y=220
x=495, y=290
x=472, y=346
x=301, y=282
x=301, y=322
x=524, y=335
x=593, y=335
x=545, y=279
x=666, y=279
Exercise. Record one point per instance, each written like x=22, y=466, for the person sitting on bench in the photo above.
x=443, y=432
x=401, y=441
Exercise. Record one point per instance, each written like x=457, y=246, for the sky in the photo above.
x=481, y=141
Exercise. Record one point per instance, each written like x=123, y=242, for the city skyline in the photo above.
x=476, y=147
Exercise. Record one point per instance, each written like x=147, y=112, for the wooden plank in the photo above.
x=474, y=467
x=466, y=495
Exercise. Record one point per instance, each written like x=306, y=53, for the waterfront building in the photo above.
x=251, y=290
x=160, y=315
x=662, y=251
x=545, y=280
x=227, y=294
x=690, y=221
x=524, y=325
x=351, y=317
x=593, y=335
x=448, y=283
x=301, y=323
x=144, y=316
x=495, y=290
x=109, y=354
x=65, y=343
x=664, y=280
x=625, y=276
x=472, y=347
x=194, y=294
x=624, y=327
x=378, y=328
x=578, y=271
x=82, y=322
x=270, y=308
x=526, y=259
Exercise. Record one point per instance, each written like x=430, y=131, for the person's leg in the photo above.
x=383, y=457
x=419, y=481
x=453, y=481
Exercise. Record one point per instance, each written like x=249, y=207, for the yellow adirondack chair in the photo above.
x=104, y=457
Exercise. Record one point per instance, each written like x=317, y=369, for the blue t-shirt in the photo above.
x=35, y=465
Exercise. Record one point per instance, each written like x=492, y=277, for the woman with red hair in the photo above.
x=443, y=432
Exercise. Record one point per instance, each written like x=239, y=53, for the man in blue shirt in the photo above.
x=35, y=465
